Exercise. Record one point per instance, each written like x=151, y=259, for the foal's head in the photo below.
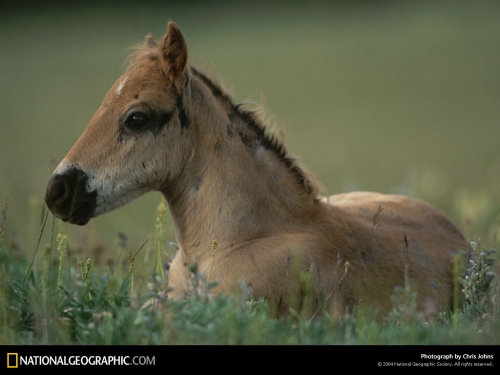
x=135, y=142
x=154, y=131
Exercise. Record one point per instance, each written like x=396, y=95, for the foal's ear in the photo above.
x=174, y=53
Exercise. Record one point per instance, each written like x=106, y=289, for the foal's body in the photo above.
x=366, y=229
x=166, y=126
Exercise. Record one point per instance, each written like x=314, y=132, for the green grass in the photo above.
x=374, y=95
x=62, y=300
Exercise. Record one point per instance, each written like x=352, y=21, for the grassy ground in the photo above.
x=385, y=96
x=52, y=299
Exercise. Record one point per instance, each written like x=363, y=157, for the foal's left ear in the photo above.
x=174, y=53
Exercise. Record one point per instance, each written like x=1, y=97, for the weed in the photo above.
x=481, y=296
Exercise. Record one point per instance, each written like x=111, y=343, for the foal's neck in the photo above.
x=238, y=186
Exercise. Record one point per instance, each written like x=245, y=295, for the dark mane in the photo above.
x=255, y=132
x=249, y=127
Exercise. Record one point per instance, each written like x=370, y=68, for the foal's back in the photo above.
x=386, y=232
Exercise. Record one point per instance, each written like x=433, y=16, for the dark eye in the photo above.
x=137, y=120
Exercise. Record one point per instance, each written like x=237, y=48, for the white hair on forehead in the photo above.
x=120, y=86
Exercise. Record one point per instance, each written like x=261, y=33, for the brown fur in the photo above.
x=226, y=178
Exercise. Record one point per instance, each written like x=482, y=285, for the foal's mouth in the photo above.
x=79, y=217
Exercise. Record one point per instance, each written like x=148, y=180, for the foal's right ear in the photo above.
x=174, y=53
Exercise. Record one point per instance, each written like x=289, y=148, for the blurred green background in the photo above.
x=390, y=96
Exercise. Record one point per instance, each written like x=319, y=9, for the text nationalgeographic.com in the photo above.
x=92, y=360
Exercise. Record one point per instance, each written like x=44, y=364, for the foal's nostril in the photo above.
x=58, y=191
x=68, y=199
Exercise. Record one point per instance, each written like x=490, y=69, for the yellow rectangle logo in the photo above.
x=12, y=360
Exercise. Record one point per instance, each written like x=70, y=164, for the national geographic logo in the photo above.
x=12, y=360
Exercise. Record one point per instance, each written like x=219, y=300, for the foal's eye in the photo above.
x=137, y=120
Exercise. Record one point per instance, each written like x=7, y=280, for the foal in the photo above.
x=166, y=126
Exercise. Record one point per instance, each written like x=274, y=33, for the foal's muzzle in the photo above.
x=67, y=197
